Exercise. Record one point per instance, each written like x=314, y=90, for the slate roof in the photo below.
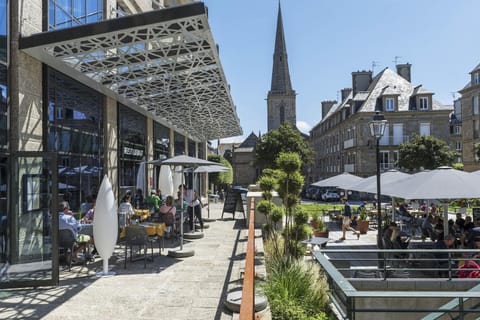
x=249, y=142
x=404, y=89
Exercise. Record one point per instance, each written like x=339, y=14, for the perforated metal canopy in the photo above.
x=164, y=63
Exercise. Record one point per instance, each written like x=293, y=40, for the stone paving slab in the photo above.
x=169, y=288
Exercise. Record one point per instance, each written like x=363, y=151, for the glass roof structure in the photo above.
x=162, y=63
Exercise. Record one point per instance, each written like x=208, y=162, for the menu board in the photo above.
x=233, y=203
x=476, y=214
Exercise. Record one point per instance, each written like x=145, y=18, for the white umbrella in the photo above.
x=343, y=181
x=184, y=162
x=370, y=184
x=105, y=223
x=165, y=183
x=443, y=183
x=140, y=183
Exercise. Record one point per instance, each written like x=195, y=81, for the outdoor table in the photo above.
x=319, y=241
x=154, y=228
x=142, y=214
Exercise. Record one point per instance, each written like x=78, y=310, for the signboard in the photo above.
x=476, y=214
x=233, y=202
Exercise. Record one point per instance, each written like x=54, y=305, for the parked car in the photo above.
x=310, y=192
x=330, y=196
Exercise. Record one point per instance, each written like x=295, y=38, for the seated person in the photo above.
x=153, y=203
x=403, y=214
x=427, y=227
x=88, y=218
x=442, y=257
x=459, y=222
x=66, y=221
x=167, y=212
x=468, y=224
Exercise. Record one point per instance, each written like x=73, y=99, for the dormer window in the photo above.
x=476, y=78
x=389, y=104
x=423, y=103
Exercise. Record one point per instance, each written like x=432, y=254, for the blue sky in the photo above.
x=328, y=39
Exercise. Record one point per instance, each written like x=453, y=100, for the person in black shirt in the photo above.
x=347, y=220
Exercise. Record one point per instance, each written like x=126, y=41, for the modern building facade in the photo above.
x=95, y=88
x=342, y=141
x=470, y=106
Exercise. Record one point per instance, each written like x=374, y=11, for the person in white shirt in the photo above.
x=193, y=205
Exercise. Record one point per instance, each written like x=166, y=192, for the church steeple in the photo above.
x=280, y=73
x=281, y=97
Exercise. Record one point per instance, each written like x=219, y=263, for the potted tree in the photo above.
x=363, y=220
x=318, y=226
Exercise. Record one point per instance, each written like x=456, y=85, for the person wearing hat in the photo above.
x=347, y=220
x=153, y=203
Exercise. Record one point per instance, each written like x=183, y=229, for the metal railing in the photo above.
x=247, y=307
x=411, y=284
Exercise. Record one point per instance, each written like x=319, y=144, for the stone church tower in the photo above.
x=281, y=97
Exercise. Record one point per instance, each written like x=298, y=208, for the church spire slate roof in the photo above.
x=280, y=73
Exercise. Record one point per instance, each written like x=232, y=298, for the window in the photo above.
x=475, y=105
x=385, y=139
x=423, y=103
x=389, y=104
x=425, y=129
x=397, y=133
x=384, y=160
x=458, y=145
x=476, y=78
x=476, y=129
x=458, y=129
x=68, y=13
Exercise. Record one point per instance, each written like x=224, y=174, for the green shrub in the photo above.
x=296, y=290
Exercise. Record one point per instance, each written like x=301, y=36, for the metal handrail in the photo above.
x=247, y=307
x=350, y=301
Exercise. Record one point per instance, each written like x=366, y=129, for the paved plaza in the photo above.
x=169, y=288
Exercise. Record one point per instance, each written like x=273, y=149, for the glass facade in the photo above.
x=3, y=129
x=191, y=148
x=179, y=144
x=161, y=141
x=75, y=132
x=69, y=13
x=132, y=142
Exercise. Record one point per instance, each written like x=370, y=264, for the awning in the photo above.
x=162, y=63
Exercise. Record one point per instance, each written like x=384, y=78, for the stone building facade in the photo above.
x=470, y=106
x=342, y=141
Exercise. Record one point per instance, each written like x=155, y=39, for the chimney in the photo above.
x=326, y=106
x=361, y=80
x=345, y=93
x=403, y=71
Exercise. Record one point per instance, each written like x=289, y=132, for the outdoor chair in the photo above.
x=66, y=245
x=136, y=236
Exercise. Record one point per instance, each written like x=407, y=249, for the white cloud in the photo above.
x=304, y=127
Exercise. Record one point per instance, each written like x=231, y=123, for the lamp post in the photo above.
x=377, y=128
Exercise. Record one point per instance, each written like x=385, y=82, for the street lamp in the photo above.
x=377, y=129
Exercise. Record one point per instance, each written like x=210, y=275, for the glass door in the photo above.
x=32, y=250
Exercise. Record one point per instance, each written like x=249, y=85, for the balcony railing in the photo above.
x=411, y=284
